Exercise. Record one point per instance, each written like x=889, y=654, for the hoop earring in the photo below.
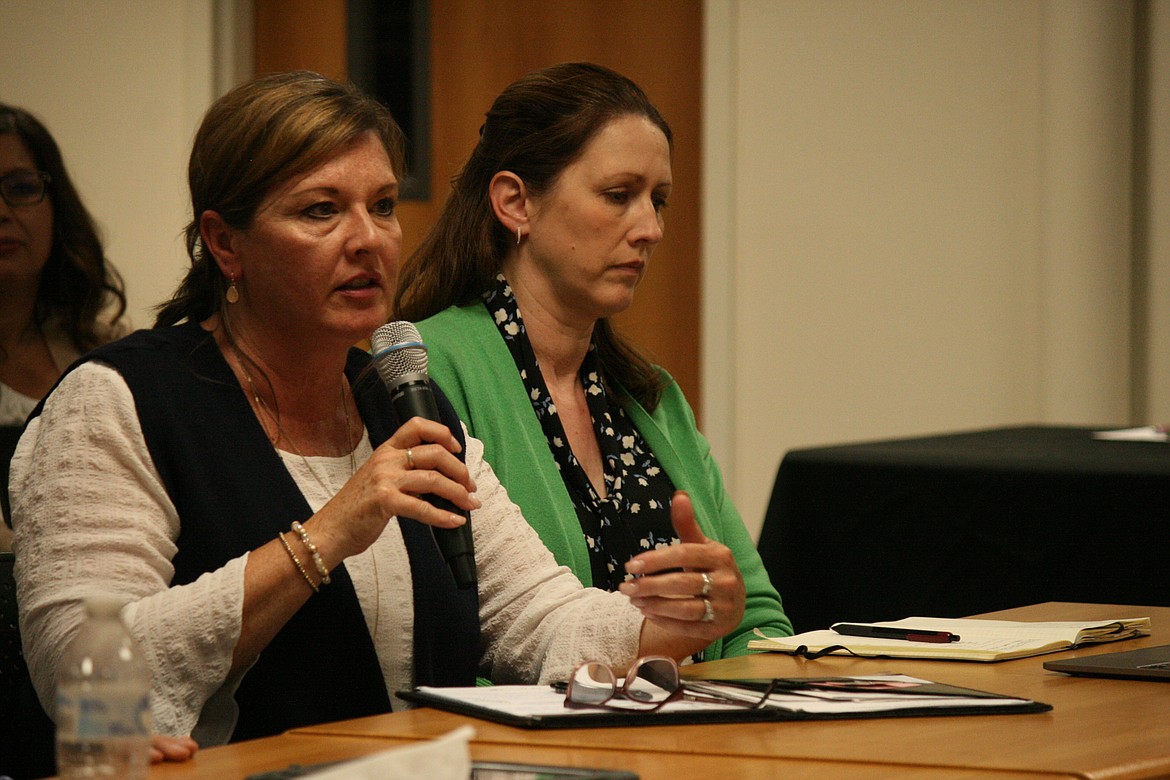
x=518, y=236
x=233, y=293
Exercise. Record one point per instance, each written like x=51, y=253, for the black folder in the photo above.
x=548, y=711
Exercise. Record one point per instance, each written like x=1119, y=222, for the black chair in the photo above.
x=26, y=732
x=9, y=436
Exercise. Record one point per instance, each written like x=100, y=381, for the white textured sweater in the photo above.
x=92, y=515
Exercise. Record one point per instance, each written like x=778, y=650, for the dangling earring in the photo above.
x=233, y=293
x=518, y=235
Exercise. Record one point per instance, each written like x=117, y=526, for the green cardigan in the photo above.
x=470, y=361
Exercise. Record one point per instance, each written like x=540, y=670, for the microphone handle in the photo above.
x=415, y=399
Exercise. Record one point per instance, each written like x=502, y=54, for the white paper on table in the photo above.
x=542, y=700
x=443, y=758
x=1145, y=433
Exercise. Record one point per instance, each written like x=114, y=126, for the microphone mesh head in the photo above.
x=398, y=351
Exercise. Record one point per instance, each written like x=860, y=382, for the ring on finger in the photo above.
x=706, y=591
x=708, y=612
x=409, y=458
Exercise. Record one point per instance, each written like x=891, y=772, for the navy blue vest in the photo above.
x=233, y=494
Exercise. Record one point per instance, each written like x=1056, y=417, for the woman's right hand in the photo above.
x=419, y=459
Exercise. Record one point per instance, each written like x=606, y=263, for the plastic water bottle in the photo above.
x=103, y=699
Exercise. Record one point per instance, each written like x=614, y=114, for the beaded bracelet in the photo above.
x=312, y=548
x=297, y=562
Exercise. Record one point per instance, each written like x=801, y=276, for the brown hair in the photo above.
x=536, y=128
x=78, y=284
x=252, y=140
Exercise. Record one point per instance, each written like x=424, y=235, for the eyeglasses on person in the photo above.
x=24, y=188
x=650, y=684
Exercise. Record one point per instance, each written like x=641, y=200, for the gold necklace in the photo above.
x=280, y=433
x=262, y=405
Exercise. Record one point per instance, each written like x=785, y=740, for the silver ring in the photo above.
x=708, y=612
x=706, y=591
x=409, y=459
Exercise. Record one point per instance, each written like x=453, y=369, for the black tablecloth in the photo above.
x=964, y=523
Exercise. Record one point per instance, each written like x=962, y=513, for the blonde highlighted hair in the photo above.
x=254, y=139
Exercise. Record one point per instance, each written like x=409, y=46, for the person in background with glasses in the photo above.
x=548, y=230
x=59, y=295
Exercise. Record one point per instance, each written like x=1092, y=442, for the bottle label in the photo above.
x=94, y=717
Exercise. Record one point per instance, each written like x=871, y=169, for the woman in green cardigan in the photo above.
x=549, y=227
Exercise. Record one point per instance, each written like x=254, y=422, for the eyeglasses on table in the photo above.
x=650, y=684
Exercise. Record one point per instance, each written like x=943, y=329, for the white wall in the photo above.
x=917, y=220
x=121, y=85
x=1155, y=250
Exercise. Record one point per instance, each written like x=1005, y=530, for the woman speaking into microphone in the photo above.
x=236, y=474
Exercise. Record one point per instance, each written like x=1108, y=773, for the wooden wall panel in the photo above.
x=478, y=47
x=296, y=34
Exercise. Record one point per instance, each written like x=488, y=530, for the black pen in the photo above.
x=885, y=632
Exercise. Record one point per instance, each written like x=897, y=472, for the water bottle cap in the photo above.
x=104, y=605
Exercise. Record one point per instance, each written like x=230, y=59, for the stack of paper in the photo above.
x=729, y=701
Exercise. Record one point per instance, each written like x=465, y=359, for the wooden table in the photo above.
x=244, y=758
x=1097, y=729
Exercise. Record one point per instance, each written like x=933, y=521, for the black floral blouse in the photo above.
x=635, y=514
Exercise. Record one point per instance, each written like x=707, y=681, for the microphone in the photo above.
x=401, y=359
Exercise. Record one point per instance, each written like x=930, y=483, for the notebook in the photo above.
x=1148, y=663
x=979, y=639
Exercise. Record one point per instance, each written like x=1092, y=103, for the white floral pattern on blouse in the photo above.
x=635, y=514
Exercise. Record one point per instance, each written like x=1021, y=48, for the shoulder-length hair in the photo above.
x=254, y=139
x=78, y=285
x=536, y=128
